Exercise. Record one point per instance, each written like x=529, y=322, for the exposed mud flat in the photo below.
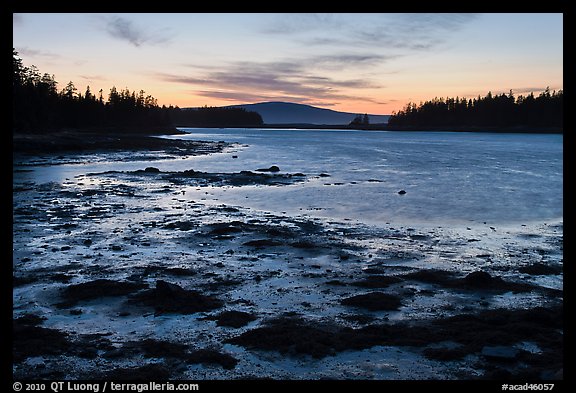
x=117, y=274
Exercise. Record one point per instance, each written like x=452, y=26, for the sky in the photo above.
x=362, y=63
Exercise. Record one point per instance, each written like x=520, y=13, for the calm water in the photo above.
x=448, y=177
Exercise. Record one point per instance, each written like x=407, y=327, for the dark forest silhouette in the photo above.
x=360, y=121
x=504, y=110
x=214, y=117
x=38, y=106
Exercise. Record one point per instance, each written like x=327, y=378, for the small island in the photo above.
x=503, y=112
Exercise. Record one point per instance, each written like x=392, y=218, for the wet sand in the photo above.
x=118, y=275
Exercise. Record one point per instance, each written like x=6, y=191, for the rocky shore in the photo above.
x=91, y=141
x=120, y=275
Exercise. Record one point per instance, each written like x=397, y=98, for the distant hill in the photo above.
x=290, y=113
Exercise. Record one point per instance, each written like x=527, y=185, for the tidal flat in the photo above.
x=144, y=274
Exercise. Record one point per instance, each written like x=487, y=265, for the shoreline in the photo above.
x=118, y=138
x=384, y=127
x=93, y=141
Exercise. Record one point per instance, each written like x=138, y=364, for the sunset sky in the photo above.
x=362, y=63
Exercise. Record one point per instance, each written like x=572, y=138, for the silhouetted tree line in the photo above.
x=215, y=117
x=504, y=110
x=360, y=121
x=38, y=106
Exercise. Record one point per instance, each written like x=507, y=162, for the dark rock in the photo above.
x=87, y=242
x=235, y=319
x=30, y=320
x=484, y=281
x=541, y=269
x=444, y=354
x=179, y=271
x=290, y=336
x=241, y=178
x=324, y=175
x=419, y=237
x=226, y=228
x=97, y=289
x=377, y=282
x=401, y=192
x=374, y=270
x=171, y=298
x=87, y=352
x=304, y=244
x=295, y=336
x=273, y=168
x=374, y=301
x=152, y=169
x=219, y=282
x=262, y=243
x=115, y=353
x=431, y=276
x=471, y=332
x=180, y=225
x=500, y=327
x=474, y=281
x=359, y=318
x=29, y=340
x=481, y=279
x=228, y=209
x=61, y=277
x=210, y=356
x=499, y=353
x=153, y=348
x=336, y=283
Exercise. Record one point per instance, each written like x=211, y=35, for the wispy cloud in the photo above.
x=125, y=30
x=347, y=60
x=286, y=80
x=301, y=23
x=535, y=90
x=91, y=78
x=412, y=32
x=29, y=52
x=247, y=97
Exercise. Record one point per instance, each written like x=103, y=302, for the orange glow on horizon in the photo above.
x=188, y=101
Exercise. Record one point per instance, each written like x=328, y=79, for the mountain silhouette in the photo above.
x=291, y=113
